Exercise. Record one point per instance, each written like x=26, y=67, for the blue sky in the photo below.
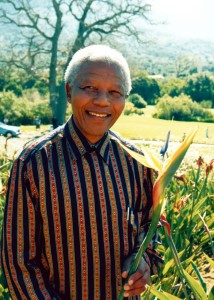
x=185, y=18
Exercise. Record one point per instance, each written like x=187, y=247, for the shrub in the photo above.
x=173, y=87
x=14, y=87
x=130, y=109
x=23, y=110
x=137, y=100
x=181, y=108
x=206, y=103
x=146, y=87
x=200, y=88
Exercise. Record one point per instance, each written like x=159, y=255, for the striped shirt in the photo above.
x=74, y=212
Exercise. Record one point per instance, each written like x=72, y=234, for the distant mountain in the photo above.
x=164, y=53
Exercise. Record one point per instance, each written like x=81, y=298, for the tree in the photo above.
x=137, y=100
x=48, y=33
x=185, y=65
x=173, y=87
x=146, y=87
x=200, y=88
x=181, y=108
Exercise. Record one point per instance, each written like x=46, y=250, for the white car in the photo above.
x=8, y=130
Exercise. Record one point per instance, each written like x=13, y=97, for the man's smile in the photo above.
x=100, y=115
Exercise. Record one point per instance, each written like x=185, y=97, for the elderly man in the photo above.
x=77, y=202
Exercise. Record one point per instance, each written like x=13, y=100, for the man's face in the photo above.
x=97, y=96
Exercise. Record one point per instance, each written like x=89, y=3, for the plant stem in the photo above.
x=143, y=246
x=177, y=262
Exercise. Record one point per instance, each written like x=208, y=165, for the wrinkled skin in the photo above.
x=97, y=97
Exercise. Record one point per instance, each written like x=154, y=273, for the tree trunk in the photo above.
x=61, y=104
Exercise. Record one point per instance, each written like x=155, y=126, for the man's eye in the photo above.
x=88, y=88
x=116, y=94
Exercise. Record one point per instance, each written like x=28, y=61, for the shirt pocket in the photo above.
x=134, y=222
x=127, y=227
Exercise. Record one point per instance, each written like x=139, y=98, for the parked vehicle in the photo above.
x=9, y=130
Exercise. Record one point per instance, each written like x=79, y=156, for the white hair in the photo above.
x=94, y=53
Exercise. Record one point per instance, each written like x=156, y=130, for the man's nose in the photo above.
x=102, y=98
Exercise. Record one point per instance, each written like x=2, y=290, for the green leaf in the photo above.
x=210, y=222
x=187, y=261
x=195, y=286
x=210, y=261
x=168, y=265
x=171, y=262
x=199, y=276
x=196, y=207
x=162, y=295
x=211, y=294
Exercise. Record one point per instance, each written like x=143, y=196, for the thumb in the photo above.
x=126, y=265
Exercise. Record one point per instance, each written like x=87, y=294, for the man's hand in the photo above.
x=138, y=280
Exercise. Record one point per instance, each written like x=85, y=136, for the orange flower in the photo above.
x=209, y=167
x=180, y=203
x=165, y=224
x=200, y=161
x=181, y=177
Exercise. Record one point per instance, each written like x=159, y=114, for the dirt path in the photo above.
x=15, y=145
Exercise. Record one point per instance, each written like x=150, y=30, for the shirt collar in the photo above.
x=79, y=145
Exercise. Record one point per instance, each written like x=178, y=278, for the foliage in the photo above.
x=185, y=65
x=146, y=87
x=181, y=108
x=137, y=100
x=189, y=195
x=17, y=81
x=15, y=87
x=130, y=109
x=172, y=87
x=166, y=171
x=200, y=87
x=206, y=103
x=23, y=111
x=5, y=166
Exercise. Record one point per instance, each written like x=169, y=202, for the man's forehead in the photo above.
x=101, y=72
x=101, y=62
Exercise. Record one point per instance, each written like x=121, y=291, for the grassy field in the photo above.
x=143, y=128
x=147, y=128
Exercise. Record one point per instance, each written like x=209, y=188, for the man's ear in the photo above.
x=68, y=91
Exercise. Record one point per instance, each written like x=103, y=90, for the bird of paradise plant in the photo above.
x=166, y=171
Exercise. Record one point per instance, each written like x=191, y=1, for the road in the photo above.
x=15, y=145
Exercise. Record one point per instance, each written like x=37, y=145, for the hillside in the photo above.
x=164, y=54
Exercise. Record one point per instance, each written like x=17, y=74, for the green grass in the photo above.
x=147, y=128
x=31, y=128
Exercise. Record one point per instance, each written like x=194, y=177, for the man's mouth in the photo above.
x=98, y=114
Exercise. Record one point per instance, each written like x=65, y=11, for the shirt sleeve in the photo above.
x=24, y=266
x=151, y=255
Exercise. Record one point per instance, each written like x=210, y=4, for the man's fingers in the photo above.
x=136, y=288
x=137, y=282
x=135, y=292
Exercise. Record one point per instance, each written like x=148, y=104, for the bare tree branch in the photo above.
x=42, y=31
